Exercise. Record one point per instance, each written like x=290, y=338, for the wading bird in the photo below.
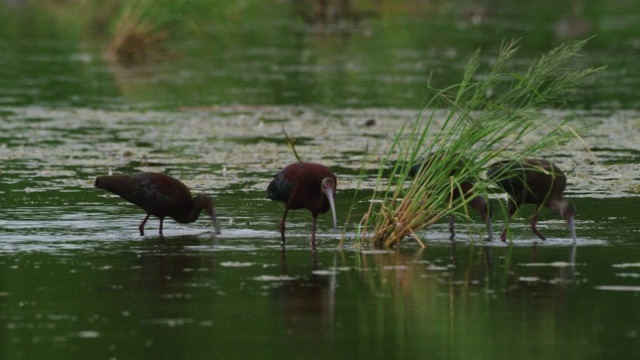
x=476, y=201
x=533, y=181
x=159, y=195
x=308, y=186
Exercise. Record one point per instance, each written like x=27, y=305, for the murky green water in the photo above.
x=76, y=280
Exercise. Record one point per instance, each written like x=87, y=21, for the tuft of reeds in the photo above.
x=486, y=114
x=141, y=27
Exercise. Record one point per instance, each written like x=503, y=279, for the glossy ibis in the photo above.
x=308, y=186
x=476, y=201
x=159, y=195
x=533, y=181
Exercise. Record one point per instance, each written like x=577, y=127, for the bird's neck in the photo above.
x=562, y=207
x=191, y=213
x=322, y=204
x=189, y=216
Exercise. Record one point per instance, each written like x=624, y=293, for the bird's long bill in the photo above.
x=329, y=193
x=214, y=219
x=572, y=227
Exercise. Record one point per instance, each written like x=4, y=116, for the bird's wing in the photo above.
x=160, y=191
x=283, y=184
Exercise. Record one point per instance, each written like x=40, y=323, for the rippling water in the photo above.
x=78, y=281
x=96, y=285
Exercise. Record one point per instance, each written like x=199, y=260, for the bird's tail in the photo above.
x=117, y=184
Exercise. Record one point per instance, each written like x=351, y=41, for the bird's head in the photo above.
x=205, y=202
x=328, y=187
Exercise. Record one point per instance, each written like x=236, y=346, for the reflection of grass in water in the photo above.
x=480, y=125
x=460, y=304
x=140, y=27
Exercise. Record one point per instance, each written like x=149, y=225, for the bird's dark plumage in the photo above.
x=304, y=185
x=534, y=181
x=159, y=195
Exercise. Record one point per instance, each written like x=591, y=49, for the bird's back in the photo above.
x=531, y=181
x=297, y=183
x=158, y=194
x=545, y=180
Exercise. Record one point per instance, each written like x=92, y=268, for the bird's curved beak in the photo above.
x=330, y=194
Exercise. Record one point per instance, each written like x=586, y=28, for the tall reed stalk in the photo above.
x=480, y=123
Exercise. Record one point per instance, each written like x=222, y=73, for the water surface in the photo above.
x=76, y=279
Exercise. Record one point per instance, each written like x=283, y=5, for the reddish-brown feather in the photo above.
x=159, y=195
x=300, y=186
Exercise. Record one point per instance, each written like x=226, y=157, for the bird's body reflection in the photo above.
x=165, y=261
x=308, y=302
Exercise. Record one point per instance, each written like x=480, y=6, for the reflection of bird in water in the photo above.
x=308, y=301
x=561, y=274
x=165, y=266
x=571, y=269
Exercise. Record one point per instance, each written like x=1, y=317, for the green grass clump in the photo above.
x=480, y=124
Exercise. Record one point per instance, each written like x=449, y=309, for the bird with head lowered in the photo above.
x=534, y=181
x=159, y=195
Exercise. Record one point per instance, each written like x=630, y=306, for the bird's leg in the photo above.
x=284, y=217
x=161, y=221
x=141, y=227
x=283, y=261
x=313, y=233
x=452, y=227
x=503, y=234
x=534, y=220
x=534, y=252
